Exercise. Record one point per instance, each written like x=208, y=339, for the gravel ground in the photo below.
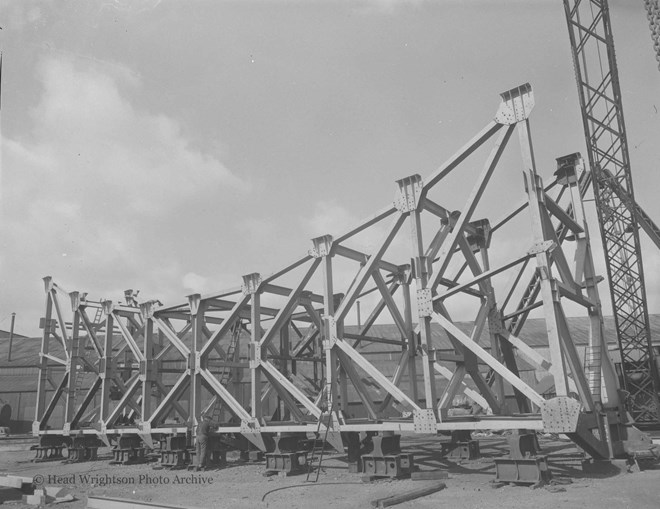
x=243, y=485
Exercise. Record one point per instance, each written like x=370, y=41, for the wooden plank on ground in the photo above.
x=95, y=502
x=408, y=495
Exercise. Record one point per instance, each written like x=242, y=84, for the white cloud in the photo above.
x=88, y=129
x=328, y=217
x=385, y=6
x=194, y=282
x=132, y=6
x=20, y=14
x=92, y=179
x=395, y=6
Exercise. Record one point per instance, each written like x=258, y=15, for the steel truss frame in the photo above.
x=309, y=325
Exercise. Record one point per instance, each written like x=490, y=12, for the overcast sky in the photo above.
x=173, y=146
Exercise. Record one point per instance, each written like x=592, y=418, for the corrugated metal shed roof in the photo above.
x=25, y=351
x=5, y=334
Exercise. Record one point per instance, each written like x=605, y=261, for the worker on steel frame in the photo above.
x=202, y=441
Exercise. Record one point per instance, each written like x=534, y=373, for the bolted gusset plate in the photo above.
x=425, y=422
x=322, y=246
x=251, y=283
x=516, y=105
x=409, y=191
x=560, y=414
x=424, y=302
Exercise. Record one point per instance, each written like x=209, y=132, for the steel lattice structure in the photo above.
x=599, y=94
x=297, y=323
x=653, y=15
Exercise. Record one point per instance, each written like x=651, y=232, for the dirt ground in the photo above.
x=243, y=485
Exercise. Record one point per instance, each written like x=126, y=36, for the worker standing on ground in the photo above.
x=203, y=430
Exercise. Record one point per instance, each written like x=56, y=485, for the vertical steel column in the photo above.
x=236, y=372
x=500, y=348
x=404, y=278
x=251, y=283
x=599, y=93
x=343, y=378
x=408, y=201
x=322, y=249
x=519, y=105
x=197, y=317
x=549, y=292
x=40, y=404
x=74, y=363
x=106, y=365
x=481, y=241
x=598, y=364
x=147, y=367
x=285, y=353
x=160, y=344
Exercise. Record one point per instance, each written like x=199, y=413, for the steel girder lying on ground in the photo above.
x=307, y=326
